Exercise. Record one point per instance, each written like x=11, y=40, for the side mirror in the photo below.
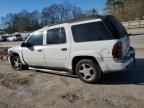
x=24, y=44
x=129, y=34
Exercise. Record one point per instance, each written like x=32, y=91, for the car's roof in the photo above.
x=86, y=18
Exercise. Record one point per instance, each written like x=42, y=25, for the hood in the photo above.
x=17, y=48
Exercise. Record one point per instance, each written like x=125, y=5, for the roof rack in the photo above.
x=84, y=18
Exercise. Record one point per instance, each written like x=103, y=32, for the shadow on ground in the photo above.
x=133, y=75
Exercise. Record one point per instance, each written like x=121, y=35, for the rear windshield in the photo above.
x=117, y=29
x=95, y=31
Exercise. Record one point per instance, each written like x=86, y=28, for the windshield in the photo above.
x=117, y=29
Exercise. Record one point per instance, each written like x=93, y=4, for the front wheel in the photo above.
x=16, y=63
x=88, y=71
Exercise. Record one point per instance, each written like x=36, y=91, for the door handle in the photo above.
x=64, y=49
x=40, y=50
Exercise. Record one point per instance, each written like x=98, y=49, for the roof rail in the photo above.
x=84, y=18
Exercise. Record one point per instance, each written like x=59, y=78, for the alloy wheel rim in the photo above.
x=86, y=71
x=17, y=63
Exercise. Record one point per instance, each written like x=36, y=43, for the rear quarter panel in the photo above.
x=101, y=50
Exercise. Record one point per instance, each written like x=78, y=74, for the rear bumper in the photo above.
x=113, y=65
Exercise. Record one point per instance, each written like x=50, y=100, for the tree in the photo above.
x=91, y=12
x=126, y=9
x=6, y=23
x=23, y=21
x=76, y=11
x=58, y=13
x=35, y=20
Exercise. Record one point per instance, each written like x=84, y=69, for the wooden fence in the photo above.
x=4, y=53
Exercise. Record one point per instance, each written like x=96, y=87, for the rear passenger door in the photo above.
x=57, y=49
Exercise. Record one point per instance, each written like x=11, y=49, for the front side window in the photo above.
x=56, y=36
x=91, y=32
x=36, y=39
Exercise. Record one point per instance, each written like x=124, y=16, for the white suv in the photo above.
x=87, y=48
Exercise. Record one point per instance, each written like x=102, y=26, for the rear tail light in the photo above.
x=117, y=50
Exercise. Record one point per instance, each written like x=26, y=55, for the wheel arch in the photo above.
x=12, y=55
x=16, y=54
x=76, y=59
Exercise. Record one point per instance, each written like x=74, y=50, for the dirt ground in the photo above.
x=31, y=89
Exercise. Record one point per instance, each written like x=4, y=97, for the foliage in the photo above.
x=30, y=21
x=23, y=21
x=126, y=9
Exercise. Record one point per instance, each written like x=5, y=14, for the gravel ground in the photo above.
x=136, y=31
x=31, y=89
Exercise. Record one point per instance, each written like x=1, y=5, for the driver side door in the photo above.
x=33, y=54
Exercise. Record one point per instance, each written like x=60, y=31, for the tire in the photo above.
x=16, y=63
x=88, y=71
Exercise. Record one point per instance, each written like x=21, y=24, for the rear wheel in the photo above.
x=88, y=71
x=16, y=63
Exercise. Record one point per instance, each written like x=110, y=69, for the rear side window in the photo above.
x=95, y=31
x=56, y=36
